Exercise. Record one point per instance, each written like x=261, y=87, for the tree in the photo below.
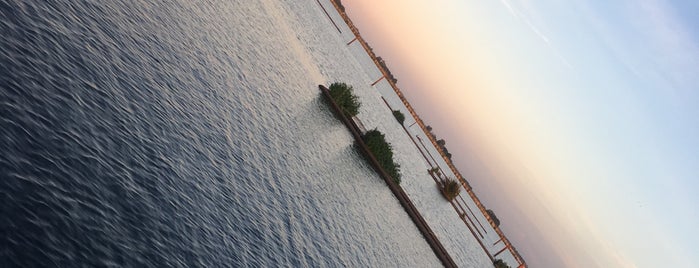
x=383, y=152
x=399, y=116
x=343, y=95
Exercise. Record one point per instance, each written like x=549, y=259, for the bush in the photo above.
x=500, y=264
x=343, y=95
x=435, y=170
x=450, y=188
x=383, y=152
x=399, y=116
x=493, y=217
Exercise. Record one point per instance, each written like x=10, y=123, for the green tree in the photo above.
x=343, y=95
x=399, y=116
x=383, y=152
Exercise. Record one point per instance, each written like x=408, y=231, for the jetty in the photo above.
x=384, y=74
x=402, y=197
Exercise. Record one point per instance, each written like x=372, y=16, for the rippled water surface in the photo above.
x=192, y=133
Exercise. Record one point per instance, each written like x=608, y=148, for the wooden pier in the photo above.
x=455, y=171
x=402, y=197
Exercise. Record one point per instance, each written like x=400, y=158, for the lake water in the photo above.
x=192, y=133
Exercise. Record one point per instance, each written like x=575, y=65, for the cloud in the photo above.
x=509, y=7
x=672, y=39
x=526, y=18
x=649, y=38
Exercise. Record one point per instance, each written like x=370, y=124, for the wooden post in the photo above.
x=467, y=217
x=330, y=18
x=463, y=218
x=428, y=152
x=350, y=42
x=382, y=77
x=503, y=249
x=474, y=214
x=497, y=241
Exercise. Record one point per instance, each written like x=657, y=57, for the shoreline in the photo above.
x=418, y=120
x=431, y=239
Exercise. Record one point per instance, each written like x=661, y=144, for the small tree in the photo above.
x=399, y=116
x=383, y=152
x=343, y=95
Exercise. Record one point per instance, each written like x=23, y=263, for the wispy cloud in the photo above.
x=673, y=40
x=509, y=7
x=650, y=39
x=525, y=17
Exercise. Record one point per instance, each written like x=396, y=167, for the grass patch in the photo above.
x=382, y=150
x=343, y=95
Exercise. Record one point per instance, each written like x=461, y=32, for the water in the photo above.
x=192, y=134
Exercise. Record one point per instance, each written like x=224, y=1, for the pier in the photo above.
x=384, y=73
x=402, y=197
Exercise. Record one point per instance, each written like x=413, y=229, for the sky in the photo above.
x=576, y=121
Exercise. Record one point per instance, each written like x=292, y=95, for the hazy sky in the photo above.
x=577, y=121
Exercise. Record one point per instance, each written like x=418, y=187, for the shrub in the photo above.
x=383, y=152
x=399, y=116
x=450, y=188
x=493, y=217
x=343, y=95
x=500, y=264
x=435, y=170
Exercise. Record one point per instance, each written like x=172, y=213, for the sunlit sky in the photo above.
x=577, y=121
